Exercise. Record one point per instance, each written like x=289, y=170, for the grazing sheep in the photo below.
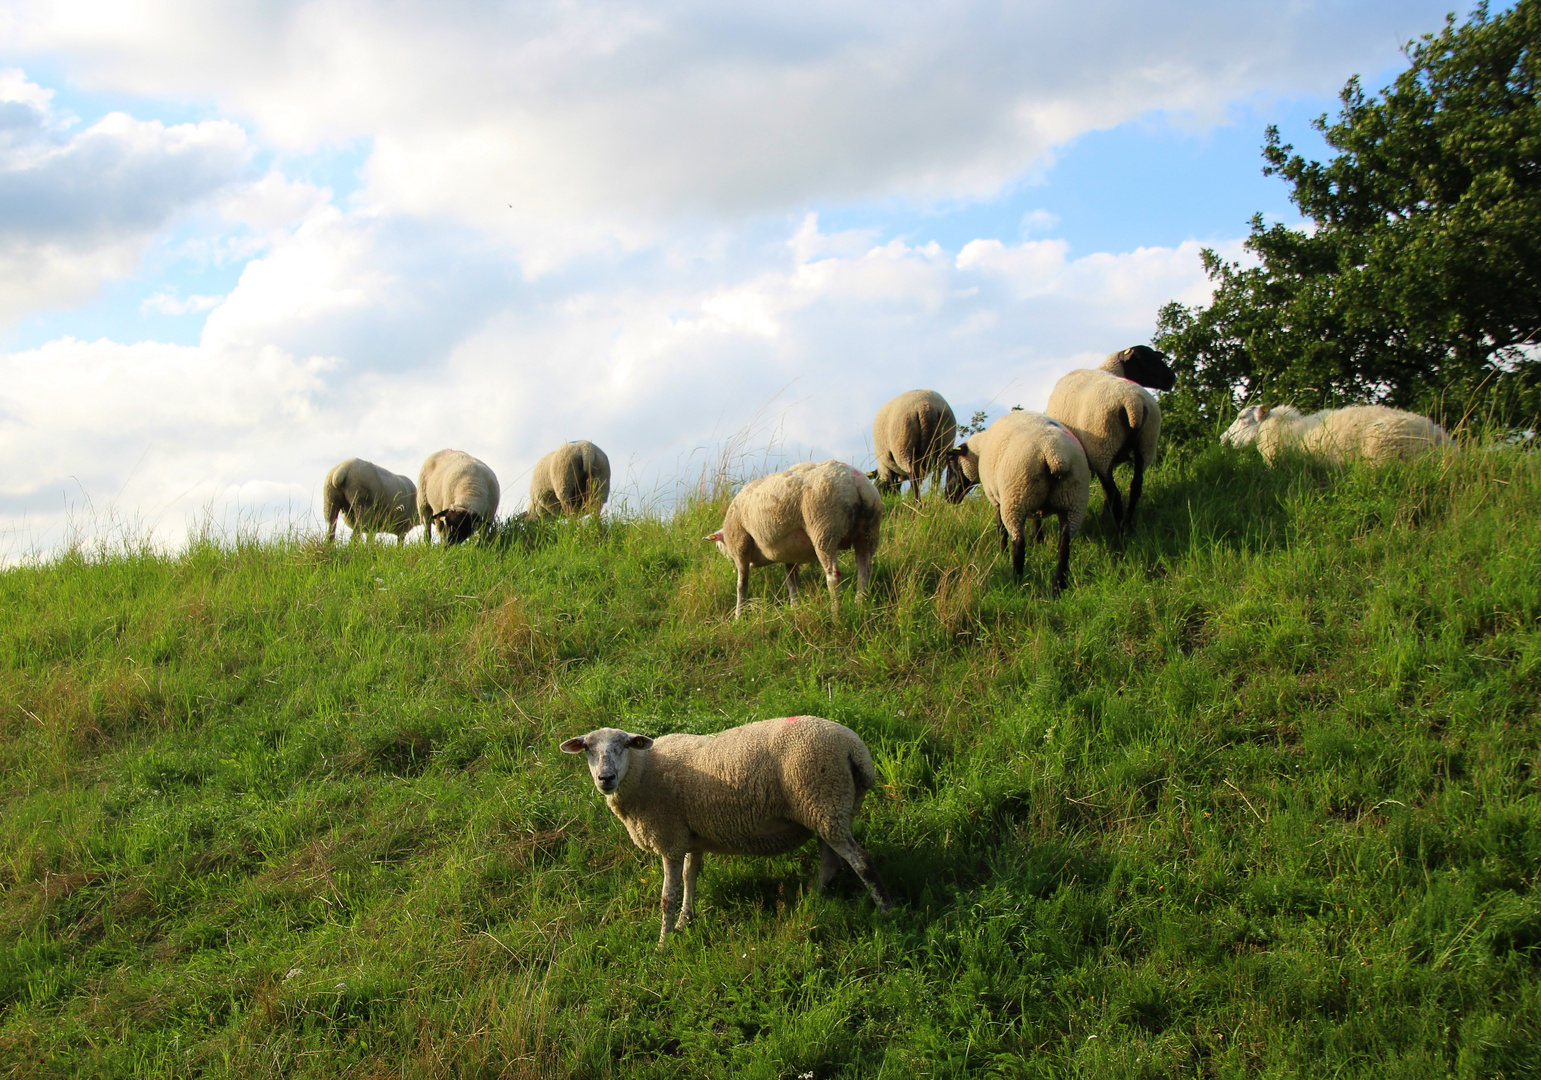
x=1115, y=418
x=1370, y=432
x=1027, y=463
x=572, y=479
x=911, y=437
x=809, y=512
x=456, y=492
x=759, y=789
x=370, y=499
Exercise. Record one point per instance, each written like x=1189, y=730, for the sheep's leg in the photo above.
x=863, y=567
x=672, y=871
x=849, y=850
x=688, y=905
x=829, y=865
x=829, y=561
x=792, y=569
x=743, y=589
x=1110, y=495
x=1062, y=568
x=1018, y=554
x=1000, y=529
x=1135, y=487
x=1037, y=528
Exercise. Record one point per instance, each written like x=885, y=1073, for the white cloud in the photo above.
x=80, y=208
x=571, y=125
x=169, y=303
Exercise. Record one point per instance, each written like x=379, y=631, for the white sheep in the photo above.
x=572, y=479
x=1027, y=463
x=1115, y=418
x=1370, y=432
x=370, y=499
x=456, y=492
x=911, y=437
x=806, y=513
x=759, y=789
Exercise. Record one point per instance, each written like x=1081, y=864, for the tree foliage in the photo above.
x=1417, y=281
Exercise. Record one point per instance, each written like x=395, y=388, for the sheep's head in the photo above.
x=1244, y=431
x=456, y=524
x=887, y=487
x=1146, y=366
x=609, y=753
x=962, y=473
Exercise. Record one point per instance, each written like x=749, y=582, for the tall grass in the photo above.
x=1256, y=795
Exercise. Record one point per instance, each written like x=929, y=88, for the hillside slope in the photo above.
x=1256, y=796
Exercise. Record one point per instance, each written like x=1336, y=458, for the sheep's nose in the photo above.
x=607, y=782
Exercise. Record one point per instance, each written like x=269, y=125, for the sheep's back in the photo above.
x=912, y=431
x=1104, y=411
x=1374, y=433
x=739, y=789
x=453, y=478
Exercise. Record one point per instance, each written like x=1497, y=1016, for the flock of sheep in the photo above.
x=766, y=788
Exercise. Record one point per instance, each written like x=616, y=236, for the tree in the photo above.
x=1418, y=282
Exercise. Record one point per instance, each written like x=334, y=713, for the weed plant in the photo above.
x=1256, y=796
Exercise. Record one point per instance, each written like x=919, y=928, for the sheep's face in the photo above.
x=962, y=473
x=456, y=524
x=609, y=753
x=1146, y=366
x=1244, y=431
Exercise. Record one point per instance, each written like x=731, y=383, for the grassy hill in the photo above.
x=1258, y=795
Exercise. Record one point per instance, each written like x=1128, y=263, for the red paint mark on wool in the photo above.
x=793, y=719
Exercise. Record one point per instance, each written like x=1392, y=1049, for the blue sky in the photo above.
x=240, y=242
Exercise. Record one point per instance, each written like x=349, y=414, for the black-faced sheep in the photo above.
x=370, y=499
x=572, y=479
x=805, y=514
x=457, y=493
x=1367, y=432
x=911, y=437
x=760, y=789
x=1027, y=463
x=1115, y=418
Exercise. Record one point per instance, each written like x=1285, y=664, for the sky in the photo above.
x=242, y=241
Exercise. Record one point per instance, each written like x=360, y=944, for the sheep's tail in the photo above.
x=333, y=500
x=863, y=773
x=1134, y=410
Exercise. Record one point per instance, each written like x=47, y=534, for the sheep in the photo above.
x=572, y=479
x=1027, y=463
x=456, y=492
x=759, y=789
x=1115, y=418
x=805, y=513
x=911, y=437
x=370, y=499
x=1371, y=432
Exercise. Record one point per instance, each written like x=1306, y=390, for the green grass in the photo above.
x=1257, y=796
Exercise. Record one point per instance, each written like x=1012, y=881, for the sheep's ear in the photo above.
x=712, y=539
x=639, y=742
x=1263, y=411
x=575, y=745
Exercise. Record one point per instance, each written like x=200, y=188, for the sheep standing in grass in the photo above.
x=809, y=512
x=1368, y=432
x=759, y=789
x=370, y=499
x=1115, y=418
x=1027, y=463
x=911, y=437
x=572, y=479
x=456, y=492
